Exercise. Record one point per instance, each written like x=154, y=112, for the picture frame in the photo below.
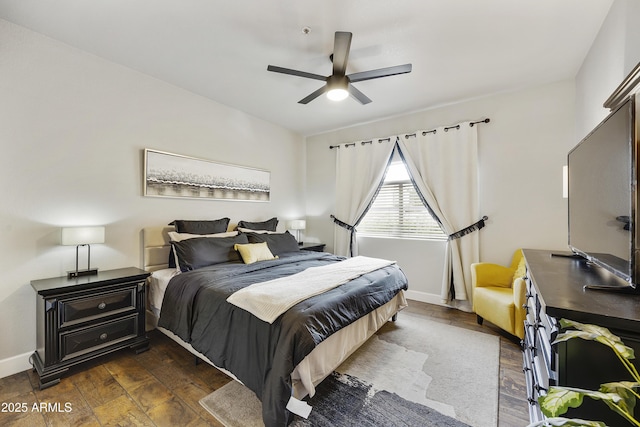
x=178, y=176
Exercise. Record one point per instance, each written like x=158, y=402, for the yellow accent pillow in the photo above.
x=252, y=252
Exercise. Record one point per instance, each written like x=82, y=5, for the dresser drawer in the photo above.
x=78, y=342
x=95, y=306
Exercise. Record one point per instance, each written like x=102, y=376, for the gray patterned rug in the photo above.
x=343, y=400
x=441, y=376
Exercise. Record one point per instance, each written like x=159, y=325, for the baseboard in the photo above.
x=15, y=364
x=425, y=297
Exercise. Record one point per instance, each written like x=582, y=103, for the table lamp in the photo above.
x=297, y=225
x=82, y=236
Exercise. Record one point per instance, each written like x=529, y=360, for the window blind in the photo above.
x=397, y=211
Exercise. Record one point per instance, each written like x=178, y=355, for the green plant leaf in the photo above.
x=625, y=406
x=558, y=401
x=594, y=333
x=567, y=422
x=606, y=397
x=624, y=389
x=618, y=396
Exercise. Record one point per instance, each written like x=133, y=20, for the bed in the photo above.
x=280, y=360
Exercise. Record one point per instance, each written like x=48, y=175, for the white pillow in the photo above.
x=178, y=237
x=249, y=230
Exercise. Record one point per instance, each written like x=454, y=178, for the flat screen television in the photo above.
x=603, y=196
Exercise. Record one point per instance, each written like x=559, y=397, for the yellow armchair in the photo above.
x=499, y=294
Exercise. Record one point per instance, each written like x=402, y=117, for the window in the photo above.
x=397, y=210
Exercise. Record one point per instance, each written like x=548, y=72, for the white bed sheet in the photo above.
x=158, y=282
x=326, y=357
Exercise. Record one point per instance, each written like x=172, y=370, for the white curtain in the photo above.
x=444, y=166
x=360, y=170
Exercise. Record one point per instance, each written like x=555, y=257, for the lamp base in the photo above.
x=79, y=273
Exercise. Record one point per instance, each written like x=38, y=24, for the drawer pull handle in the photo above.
x=103, y=336
x=102, y=306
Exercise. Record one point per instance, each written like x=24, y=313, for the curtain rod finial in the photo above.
x=487, y=120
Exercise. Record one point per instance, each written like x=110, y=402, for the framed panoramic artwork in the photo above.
x=175, y=175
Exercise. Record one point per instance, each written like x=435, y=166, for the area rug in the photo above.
x=413, y=372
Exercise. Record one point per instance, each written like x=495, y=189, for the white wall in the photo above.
x=72, y=131
x=421, y=261
x=614, y=53
x=521, y=154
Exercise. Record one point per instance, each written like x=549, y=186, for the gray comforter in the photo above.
x=259, y=354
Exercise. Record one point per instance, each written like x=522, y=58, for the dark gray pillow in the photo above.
x=269, y=225
x=278, y=243
x=201, y=227
x=204, y=251
x=197, y=227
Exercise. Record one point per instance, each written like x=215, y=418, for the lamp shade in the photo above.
x=73, y=236
x=298, y=224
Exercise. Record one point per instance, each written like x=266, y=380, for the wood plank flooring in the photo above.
x=162, y=386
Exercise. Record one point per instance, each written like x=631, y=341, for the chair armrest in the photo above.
x=488, y=274
x=519, y=300
x=519, y=293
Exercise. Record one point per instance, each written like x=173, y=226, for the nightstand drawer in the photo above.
x=74, y=311
x=79, y=342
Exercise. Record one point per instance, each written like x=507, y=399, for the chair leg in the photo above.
x=479, y=319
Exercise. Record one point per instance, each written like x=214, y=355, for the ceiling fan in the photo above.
x=339, y=85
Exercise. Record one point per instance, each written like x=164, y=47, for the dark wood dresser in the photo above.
x=82, y=318
x=555, y=290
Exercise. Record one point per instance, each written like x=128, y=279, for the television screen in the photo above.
x=601, y=191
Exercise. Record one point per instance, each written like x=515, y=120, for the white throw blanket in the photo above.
x=268, y=300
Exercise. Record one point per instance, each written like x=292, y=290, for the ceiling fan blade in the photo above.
x=313, y=95
x=380, y=72
x=289, y=71
x=364, y=99
x=341, y=47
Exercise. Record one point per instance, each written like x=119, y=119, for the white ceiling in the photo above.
x=220, y=49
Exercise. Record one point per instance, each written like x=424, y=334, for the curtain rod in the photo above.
x=487, y=120
x=353, y=144
x=409, y=135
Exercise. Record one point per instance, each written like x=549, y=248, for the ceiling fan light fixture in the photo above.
x=337, y=88
x=337, y=94
x=338, y=85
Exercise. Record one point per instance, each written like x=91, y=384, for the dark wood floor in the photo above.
x=162, y=386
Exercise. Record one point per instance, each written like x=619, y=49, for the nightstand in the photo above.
x=316, y=247
x=85, y=317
